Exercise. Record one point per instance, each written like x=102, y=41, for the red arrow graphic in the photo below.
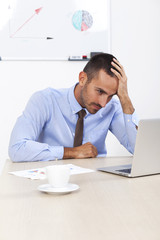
x=36, y=13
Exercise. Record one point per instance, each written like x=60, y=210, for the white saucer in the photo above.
x=49, y=189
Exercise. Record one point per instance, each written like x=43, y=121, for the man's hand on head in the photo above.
x=122, y=78
x=122, y=91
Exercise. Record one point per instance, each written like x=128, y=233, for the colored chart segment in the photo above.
x=82, y=20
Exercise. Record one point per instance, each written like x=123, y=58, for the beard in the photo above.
x=91, y=107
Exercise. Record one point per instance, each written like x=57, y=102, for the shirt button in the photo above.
x=128, y=120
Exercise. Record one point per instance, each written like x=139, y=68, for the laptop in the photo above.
x=146, y=158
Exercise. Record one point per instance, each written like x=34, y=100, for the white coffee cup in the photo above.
x=58, y=175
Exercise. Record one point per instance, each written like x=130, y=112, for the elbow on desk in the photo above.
x=15, y=153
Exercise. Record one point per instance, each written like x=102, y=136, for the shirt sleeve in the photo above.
x=124, y=127
x=23, y=144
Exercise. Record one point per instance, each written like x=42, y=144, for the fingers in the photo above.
x=119, y=67
x=118, y=63
x=91, y=149
x=118, y=75
x=87, y=150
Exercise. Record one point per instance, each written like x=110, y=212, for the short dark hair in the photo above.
x=97, y=63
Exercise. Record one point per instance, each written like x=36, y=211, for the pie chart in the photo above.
x=82, y=20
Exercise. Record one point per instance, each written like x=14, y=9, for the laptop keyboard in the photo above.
x=127, y=170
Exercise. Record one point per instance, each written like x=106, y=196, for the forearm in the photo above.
x=126, y=104
x=131, y=123
x=124, y=128
x=34, y=151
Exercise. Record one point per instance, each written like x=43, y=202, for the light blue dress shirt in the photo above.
x=48, y=123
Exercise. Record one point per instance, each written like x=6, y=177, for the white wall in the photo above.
x=135, y=41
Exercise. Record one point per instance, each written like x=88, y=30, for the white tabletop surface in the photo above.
x=106, y=206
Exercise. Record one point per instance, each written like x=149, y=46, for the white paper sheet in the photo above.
x=40, y=173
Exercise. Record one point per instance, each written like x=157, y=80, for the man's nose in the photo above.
x=103, y=100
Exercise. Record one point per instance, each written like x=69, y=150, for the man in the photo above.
x=46, y=129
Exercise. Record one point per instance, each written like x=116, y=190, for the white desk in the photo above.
x=105, y=207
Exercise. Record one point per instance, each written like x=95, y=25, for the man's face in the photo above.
x=98, y=92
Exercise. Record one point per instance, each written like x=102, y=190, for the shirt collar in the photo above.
x=75, y=106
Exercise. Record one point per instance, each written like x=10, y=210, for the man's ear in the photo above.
x=82, y=78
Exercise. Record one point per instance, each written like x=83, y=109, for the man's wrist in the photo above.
x=69, y=153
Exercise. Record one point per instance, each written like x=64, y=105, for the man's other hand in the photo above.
x=87, y=150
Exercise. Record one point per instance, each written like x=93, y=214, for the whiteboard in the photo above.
x=55, y=29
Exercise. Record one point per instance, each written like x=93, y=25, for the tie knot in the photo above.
x=82, y=113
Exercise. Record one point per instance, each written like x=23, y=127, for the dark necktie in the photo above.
x=79, y=129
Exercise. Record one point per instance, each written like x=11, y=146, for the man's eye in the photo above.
x=99, y=91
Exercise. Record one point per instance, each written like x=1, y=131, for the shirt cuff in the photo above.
x=57, y=152
x=131, y=118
